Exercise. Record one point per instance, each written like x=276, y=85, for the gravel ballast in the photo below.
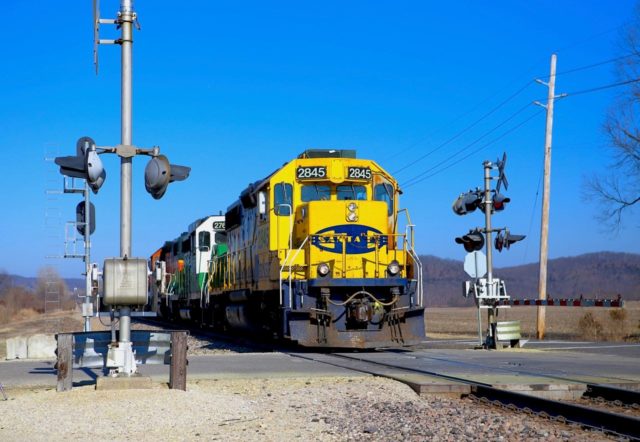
x=328, y=409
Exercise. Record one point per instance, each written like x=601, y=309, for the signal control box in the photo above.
x=125, y=281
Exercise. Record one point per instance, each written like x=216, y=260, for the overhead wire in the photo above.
x=477, y=140
x=600, y=88
x=421, y=177
x=533, y=211
x=466, y=129
x=513, y=129
x=590, y=66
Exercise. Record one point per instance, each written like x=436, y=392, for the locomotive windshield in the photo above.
x=384, y=192
x=351, y=192
x=283, y=199
x=314, y=192
x=204, y=240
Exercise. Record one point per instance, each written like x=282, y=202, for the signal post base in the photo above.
x=135, y=382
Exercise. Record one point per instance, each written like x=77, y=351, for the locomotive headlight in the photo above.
x=393, y=268
x=323, y=269
x=352, y=212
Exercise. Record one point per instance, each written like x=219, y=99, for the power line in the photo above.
x=466, y=129
x=591, y=66
x=519, y=125
x=421, y=140
x=477, y=140
x=599, y=88
x=533, y=211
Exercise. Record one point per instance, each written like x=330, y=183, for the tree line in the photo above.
x=18, y=302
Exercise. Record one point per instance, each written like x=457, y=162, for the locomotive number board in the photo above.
x=311, y=172
x=218, y=225
x=359, y=173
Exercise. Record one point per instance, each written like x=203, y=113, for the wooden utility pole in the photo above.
x=546, y=189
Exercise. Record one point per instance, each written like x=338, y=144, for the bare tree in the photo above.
x=5, y=281
x=619, y=190
x=50, y=285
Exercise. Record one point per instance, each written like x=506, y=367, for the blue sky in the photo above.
x=235, y=89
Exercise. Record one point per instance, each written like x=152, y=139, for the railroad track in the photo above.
x=563, y=411
x=589, y=413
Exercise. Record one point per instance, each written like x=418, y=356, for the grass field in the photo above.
x=605, y=324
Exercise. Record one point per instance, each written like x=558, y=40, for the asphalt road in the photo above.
x=595, y=362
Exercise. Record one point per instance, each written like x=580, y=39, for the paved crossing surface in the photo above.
x=586, y=361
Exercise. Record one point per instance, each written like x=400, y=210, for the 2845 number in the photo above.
x=311, y=172
x=359, y=173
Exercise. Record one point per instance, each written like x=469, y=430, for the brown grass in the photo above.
x=561, y=322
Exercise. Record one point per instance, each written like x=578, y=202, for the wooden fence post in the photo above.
x=64, y=364
x=178, y=369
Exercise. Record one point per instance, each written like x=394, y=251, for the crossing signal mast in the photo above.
x=489, y=292
x=124, y=277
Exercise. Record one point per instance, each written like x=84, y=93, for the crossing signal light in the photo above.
x=467, y=202
x=499, y=201
x=472, y=241
x=505, y=241
x=85, y=164
x=81, y=218
x=159, y=173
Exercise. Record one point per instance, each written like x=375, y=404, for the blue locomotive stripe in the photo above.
x=359, y=239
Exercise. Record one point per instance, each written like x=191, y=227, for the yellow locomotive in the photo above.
x=319, y=253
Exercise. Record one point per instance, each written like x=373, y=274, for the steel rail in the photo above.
x=600, y=420
x=611, y=393
x=607, y=392
x=590, y=417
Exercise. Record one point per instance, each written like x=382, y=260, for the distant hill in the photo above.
x=593, y=275
x=30, y=283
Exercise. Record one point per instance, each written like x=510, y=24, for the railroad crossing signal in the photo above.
x=85, y=164
x=474, y=240
x=499, y=201
x=506, y=240
x=487, y=291
x=81, y=217
x=467, y=202
x=159, y=173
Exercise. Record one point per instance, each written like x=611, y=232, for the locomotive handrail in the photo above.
x=290, y=265
x=418, y=263
x=409, y=232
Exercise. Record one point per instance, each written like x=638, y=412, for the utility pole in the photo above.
x=546, y=190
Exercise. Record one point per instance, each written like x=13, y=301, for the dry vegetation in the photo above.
x=19, y=303
x=23, y=312
x=571, y=323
